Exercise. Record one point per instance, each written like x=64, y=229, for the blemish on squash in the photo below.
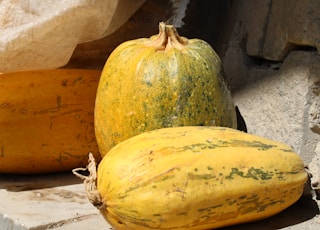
x=182, y=214
x=5, y=105
x=64, y=82
x=23, y=111
x=253, y=173
x=200, y=176
x=209, y=209
x=231, y=202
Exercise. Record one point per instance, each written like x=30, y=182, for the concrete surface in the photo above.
x=46, y=202
x=59, y=202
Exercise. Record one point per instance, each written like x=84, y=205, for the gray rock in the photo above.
x=314, y=110
x=291, y=25
x=280, y=104
x=265, y=32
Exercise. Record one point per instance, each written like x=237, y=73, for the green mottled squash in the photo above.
x=162, y=81
x=192, y=178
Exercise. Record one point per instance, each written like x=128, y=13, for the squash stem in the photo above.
x=90, y=182
x=174, y=39
x=168, y=38
x=161, y=40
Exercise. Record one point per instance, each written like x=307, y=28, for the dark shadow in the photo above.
x=19, y=183
x=241, y=123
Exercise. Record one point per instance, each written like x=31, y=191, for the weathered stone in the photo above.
x=275, y=106
x=255, y=15
x=314, y=111
x=291, y=24
x=235, y=60
x=314, y=168
x=274, y=28
x=265, y=32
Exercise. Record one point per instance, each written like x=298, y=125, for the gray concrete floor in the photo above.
x=58, y=202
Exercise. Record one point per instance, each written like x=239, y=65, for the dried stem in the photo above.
x=90, y=182
x=168, y=37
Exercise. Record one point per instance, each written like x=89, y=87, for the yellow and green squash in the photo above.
x=162, y=81
x=194, y=178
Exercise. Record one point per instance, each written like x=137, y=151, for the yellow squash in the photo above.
x=163, y=81
x=46, y=120
x=195, y=178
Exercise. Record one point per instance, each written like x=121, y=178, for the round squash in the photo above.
x=46, y=120
x=194, y=178
x=157, y=82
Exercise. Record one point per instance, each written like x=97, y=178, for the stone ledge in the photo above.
x=45, y=202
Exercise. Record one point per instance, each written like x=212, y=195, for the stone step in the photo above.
x=56, y=201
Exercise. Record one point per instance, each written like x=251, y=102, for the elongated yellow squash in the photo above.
x=195, y=178
x=46, y=120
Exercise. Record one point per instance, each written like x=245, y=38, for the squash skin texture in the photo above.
x=197, y=178
x=149, y=84
x=46, y=120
